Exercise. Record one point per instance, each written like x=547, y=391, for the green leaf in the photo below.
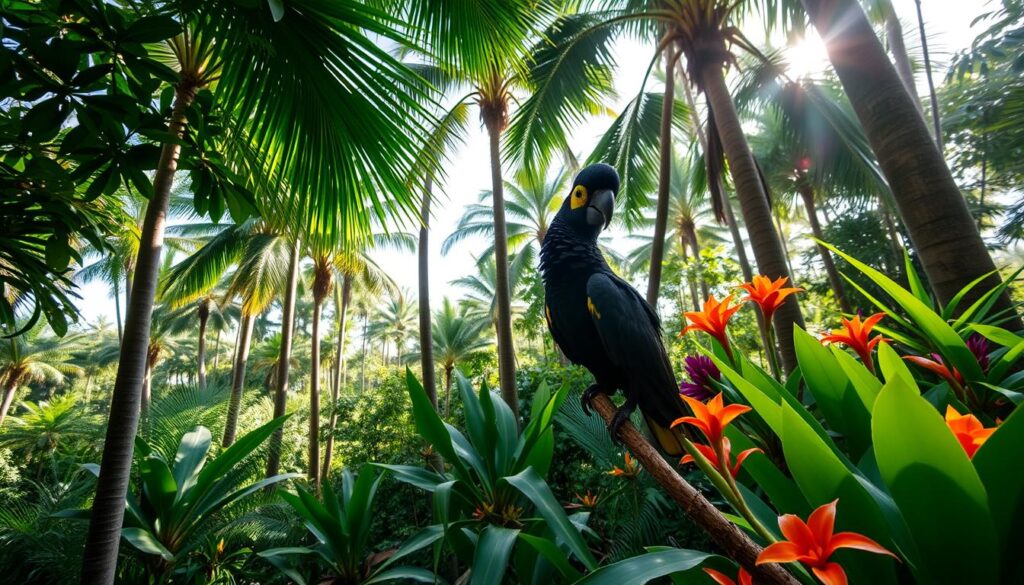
x=823, y=477
x=276, y=9
x=537, y=491
x=941, y=334
x=190, y=457
x=401, y=575
x=159, y=488
x=429, y=425
x=646, y=567
x=424, y=479
x=146, y=542
x=151, y=29
x=834, y=393
x=418, y=541
x=492, y=553
x=998, y=462
x=552, y=554
x=935, y=486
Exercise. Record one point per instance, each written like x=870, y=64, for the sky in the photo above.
x=948, y=24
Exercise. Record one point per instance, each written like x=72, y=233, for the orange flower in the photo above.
x=710, y=454
x=629, y=468
x=951, y=375
x=968, y=430
x=769, y=295
x=713, y=319
x=710, y=418
x=587, y=501
x=812, y=543
x=722, y=579
x=855, y=336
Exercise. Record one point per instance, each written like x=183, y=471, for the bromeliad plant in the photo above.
x=340, y=523
x=181, y=498
x=915, y=462
x=496, y=511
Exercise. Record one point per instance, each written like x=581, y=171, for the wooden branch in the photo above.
x=734, y=542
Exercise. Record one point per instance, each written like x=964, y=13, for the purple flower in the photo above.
x=979, y=347
x=701, y=371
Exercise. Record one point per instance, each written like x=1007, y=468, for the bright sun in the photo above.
x=806, y=57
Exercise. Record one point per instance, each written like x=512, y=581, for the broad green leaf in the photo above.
x=998, y=462
x=823, y=477
x=401, y=575
x=537, y=491
x=418, y=541
x=942, y=335
x=552, y=554
x=646, y=567
x=779, y=488
x=935, y=486
x=492, y=553
x=842, y=406
x=146, y=542
x=429, y=425
x=159, y=489
x=190, y=457
x=424, y=479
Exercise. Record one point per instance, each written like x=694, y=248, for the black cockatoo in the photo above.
x=598, y=320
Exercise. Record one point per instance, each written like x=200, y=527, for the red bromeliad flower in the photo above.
x=855, y=334
x=713, y=319
x=968, y=430
x=628, y=469
x=769, y=295
x=710, y=418
x=951, y=375
x=722, y=579
x=709, y=453
x=813, y=543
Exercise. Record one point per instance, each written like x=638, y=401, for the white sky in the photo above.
x=948, y=23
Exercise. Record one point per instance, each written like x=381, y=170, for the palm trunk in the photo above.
x=834, y=280
x=238, y=378
x=362, y=363
x=934, y=211
x=757, y=215
x=147, y=394
x=117, y=312
x=426, y=340
x=342, y=298
x=664, y=183
x=9, y=392
x=216, y=351
x=448, y=389
x=313, y=470
x=284, y=361
x=100, y=558
x=785, y=244
x=204, y=316
x=691, y=239
x=506, y=351
x=898, y=48
x=936, y=123
x=129, y=277
x=691, y=283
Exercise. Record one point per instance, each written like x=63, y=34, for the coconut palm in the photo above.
x=481, y=287
x=292, y=115
x=494, y=71
x=457, y=335
x=394, y=322
x=33, y=357
x=534, y=195
x=705, y=33
x=261, y=257
x=936, y=216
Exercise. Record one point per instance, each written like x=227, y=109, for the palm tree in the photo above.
x=295, y=113
x=533, y=199
x=934, y=211
x=261, y=256
x=394, y=322
x=702, y=31
x=32, y=358
x=495, y=70
x=457, y=335
x=482, y=286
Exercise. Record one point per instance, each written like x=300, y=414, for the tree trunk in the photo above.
x=834, y=280
x=9, y=392
x=694, y=243
x=204, y=316
x=313, y=470
x=216, y=351
x=936, y=123
x=426, y=339
x=506, y=350
x=933, y=209
x=691, y=283
x=100, y=558
x=284, y=361
x=664, y=184
x=898, y=48
x=147, y=394
x=342, y=298
x=785, y=245
x=129, y=277
x=448, y=389
x=362, y=363
x=757, y=215
x=238, y=378
x=117, y=312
